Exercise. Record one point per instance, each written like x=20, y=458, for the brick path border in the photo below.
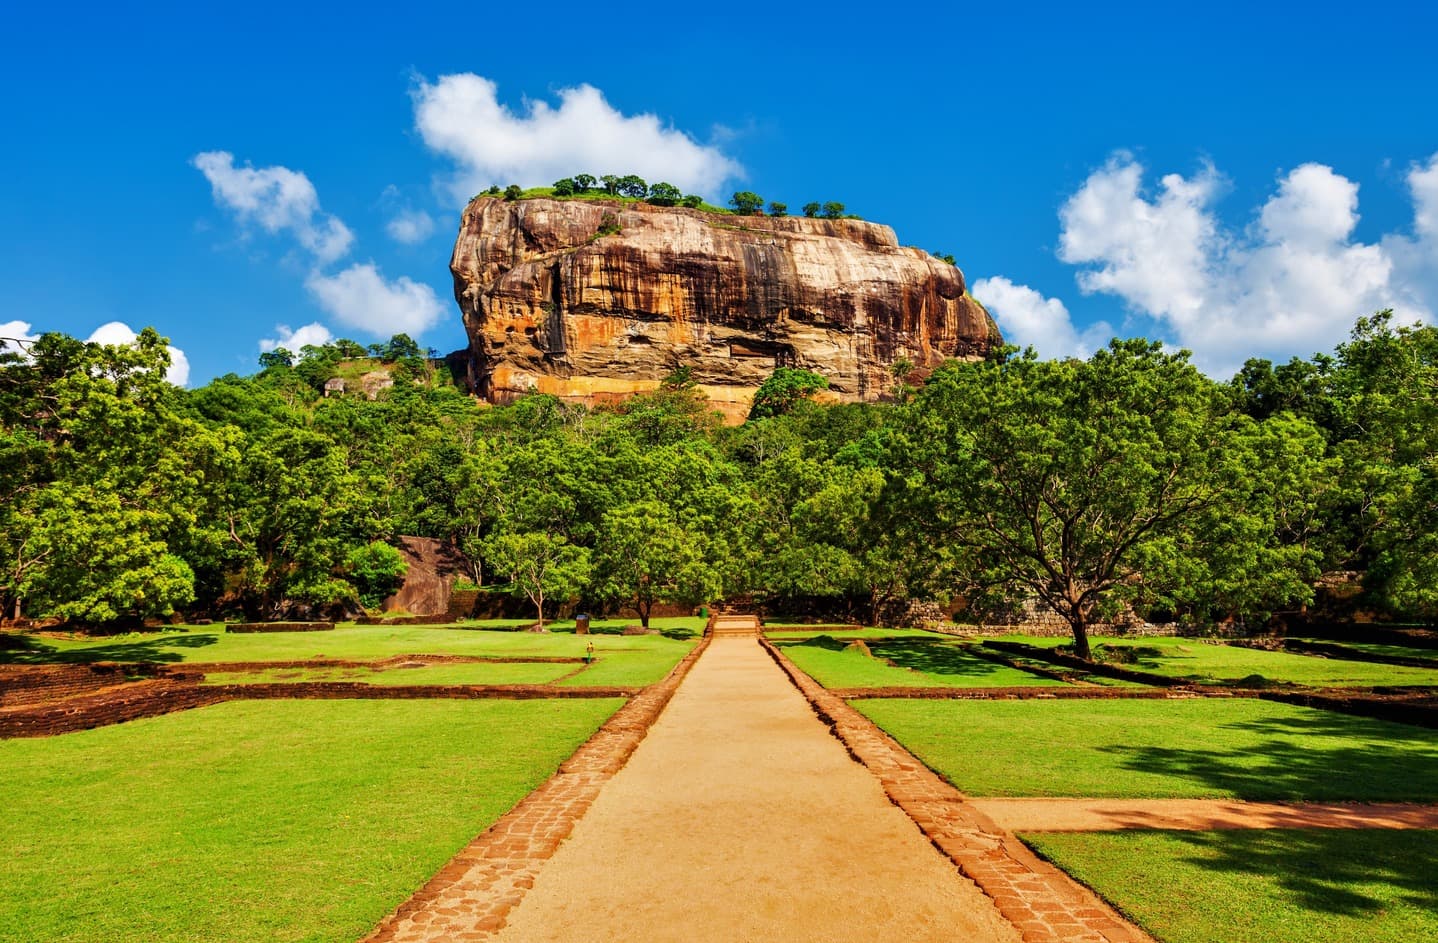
x=470, y=898
x=1042, y=902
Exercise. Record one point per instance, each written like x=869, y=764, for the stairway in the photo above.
x=735, y=625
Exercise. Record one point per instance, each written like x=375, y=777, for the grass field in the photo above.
x=1225, y=664
x=346, y=642
x=780, y=630
x=1277, y=886
x=920, y=664
x=1379, y=648
x=276, y=820
x=465, y=673
x=1206, y=747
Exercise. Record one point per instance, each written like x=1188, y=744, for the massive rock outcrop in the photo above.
x=594, y=301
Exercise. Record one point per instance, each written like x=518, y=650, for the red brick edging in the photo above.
x=1043, y=903
x=471, y=896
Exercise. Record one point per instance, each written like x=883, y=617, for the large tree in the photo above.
x=645, y=556
x=540, y=566
x=1085, y=483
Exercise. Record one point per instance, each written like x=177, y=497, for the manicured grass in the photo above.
x=276, y=820
x=1227, y=664
x=630, y=660
x=346, y=641
x=920, y=664
x=1378, y=648
x=1278, y=886
x=780, y=630
x=1201, y=747
x=467, y=673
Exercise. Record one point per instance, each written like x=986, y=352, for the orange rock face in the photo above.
x=595, y=301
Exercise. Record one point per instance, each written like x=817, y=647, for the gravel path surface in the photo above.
x=740, y=818
x=1101, y=815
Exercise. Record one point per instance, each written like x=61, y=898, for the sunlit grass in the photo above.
x=274, y=820
x=1274, y=885
x=1192, y=748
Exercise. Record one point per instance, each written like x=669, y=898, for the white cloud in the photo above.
x=1291, y=284
x=12, y=332
x=1415, y=258
x=460, y=116
x=360, y=297
x=410, y=226
x=316, y=334
x=1028, y=319
x=277, y=199
x=118, y=333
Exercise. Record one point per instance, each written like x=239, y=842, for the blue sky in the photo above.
x=1236, y=178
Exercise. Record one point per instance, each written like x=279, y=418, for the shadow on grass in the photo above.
x=1310, y=755
x=28, y=650
x=1325, y=870
x=936, y=658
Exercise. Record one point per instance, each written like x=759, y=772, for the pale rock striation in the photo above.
x=593, y=301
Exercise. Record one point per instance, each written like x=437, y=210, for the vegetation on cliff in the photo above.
x=1125, y=481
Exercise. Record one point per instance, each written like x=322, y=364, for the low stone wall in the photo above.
x=143, y=699
x=38, y=684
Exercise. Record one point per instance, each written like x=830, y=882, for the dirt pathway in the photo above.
x=1097, y=815
x=740, y=818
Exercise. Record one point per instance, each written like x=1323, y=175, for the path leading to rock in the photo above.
x=1100, y=815
x=740, y=818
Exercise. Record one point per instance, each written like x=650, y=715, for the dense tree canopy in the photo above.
x=1128, y=482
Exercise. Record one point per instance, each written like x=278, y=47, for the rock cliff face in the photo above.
x=595, y=301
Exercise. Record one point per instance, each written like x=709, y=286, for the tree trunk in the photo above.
x=539, y=611
x=645, y=607
x=1079, y=625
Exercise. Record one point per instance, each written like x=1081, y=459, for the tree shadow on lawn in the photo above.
x=28, y=650
x=1324, y=869
x=935, y=658
x=1367, y=759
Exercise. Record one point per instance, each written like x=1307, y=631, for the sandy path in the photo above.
x=1098, y=815
x=740, y=818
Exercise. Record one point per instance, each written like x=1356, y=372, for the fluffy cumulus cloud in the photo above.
x=461, y=117
x=14, y=335
x=276, y=199
x=410, y=226
x=117, y=333
x=1028, y=319
x=316, y=334
x=1291, y=283
x=362, y=298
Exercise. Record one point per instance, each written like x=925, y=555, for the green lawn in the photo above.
x=346, y=642
x=1273, y=885
x=1226, y=664
x=1202, y=747
x=630, y=660
x=463, y=673
x=1378, y=648
x=922, y=663
x=795, y=631
x=275, y=820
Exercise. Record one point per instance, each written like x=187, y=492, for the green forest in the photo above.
x=1126, y=482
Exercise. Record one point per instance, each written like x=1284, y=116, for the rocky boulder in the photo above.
x=594, y=301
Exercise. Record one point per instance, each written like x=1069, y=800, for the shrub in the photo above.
x=565, y=187
x=811, y=210
x=665, y=194
x=377, y=570
x=778, y=209
x=512, y=192
x=746, y=203
x=832, y=210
